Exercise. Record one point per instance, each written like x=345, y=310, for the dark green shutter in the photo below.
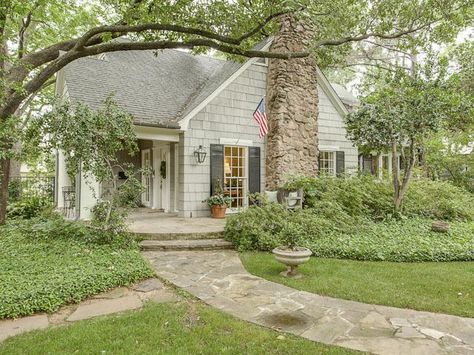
x=217, y=164
x=340, y=163
x=254, y=170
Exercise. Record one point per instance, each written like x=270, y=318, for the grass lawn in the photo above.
x=184, y=328
x=437, y=287
x=45, y=264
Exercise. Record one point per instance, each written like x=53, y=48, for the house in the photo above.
x=181, y=104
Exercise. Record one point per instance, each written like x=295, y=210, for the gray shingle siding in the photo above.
x=229, y=115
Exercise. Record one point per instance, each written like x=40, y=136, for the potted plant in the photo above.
x=290, y=254
x=218, y=202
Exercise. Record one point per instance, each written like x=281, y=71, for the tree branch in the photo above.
x=36, y=83
x=22, y=33
x=337, y=42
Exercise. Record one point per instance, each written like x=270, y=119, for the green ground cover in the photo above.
x=45, y=263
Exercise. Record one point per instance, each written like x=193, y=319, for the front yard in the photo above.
x=430, y=286
x=182, y=328
x=46, y=263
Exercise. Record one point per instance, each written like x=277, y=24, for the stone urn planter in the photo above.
x=292, y=257
x=291, y=254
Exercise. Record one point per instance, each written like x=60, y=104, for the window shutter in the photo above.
x=254, y=170
x=340, y=163
x=217, y=164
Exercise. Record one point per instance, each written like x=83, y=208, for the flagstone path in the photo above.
x=219, y=279
x=117, y=300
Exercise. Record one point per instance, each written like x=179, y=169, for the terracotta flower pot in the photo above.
x=292, y=258
x=218, y=211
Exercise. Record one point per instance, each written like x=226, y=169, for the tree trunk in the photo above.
x=4, y=179
x=397, y=201
x=292, y=104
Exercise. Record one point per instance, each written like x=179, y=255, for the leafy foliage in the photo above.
x=365, y=196
x=49, y=262
x=91, y=141
x=29, y=207
x=353, y=218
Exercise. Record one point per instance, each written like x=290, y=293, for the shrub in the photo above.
x=366, y=196
x=438, y=199
x=28, y=207
x=406, y=240
x=257, y=228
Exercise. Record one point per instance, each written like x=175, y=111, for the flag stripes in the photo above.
x=261, y=117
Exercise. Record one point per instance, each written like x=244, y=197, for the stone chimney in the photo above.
x=292, y=106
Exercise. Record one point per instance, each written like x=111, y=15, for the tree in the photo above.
x=91, y=141
x=402, y=113
x=449, y=153
x=39, y=37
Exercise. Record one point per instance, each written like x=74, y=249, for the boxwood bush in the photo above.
x=49, y=262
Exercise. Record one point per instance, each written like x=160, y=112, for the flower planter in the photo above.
x=292, y=258
x=218, y=211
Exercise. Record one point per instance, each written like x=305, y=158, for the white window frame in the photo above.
x=232, y=210
x=331, y=157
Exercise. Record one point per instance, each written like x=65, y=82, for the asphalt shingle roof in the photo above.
x=158, y=90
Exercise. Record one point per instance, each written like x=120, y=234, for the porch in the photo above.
x=157, y=225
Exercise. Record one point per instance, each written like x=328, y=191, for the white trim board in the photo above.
x=155, y=133
x=236, y=142
x=329, y=148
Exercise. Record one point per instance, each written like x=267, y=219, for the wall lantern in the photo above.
x=200, y=155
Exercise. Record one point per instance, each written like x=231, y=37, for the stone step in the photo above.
x=180, y=236
x=196, y=244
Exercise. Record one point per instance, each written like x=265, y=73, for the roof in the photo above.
x=346, y=96
x=160, y=88
x=156, y=89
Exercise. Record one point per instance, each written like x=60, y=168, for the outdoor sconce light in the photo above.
x=200, y=155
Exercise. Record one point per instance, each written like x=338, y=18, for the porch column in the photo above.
x=88, y=190
x=62, y=178
x=155, y=204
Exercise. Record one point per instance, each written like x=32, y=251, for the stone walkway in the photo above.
x=219, y=279
x=117, y=300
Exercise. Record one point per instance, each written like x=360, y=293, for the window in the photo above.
x=235, y=175
x=327, y=163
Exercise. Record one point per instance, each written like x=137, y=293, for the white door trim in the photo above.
x=162, y=187
x=147, y=181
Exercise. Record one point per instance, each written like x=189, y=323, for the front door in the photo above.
x=235, y=176
x=146, y=178
x=162, y=177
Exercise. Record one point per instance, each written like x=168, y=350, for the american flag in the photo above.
x=261, y=117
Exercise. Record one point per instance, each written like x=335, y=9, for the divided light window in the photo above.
x=235, y=176
x=327, y=163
